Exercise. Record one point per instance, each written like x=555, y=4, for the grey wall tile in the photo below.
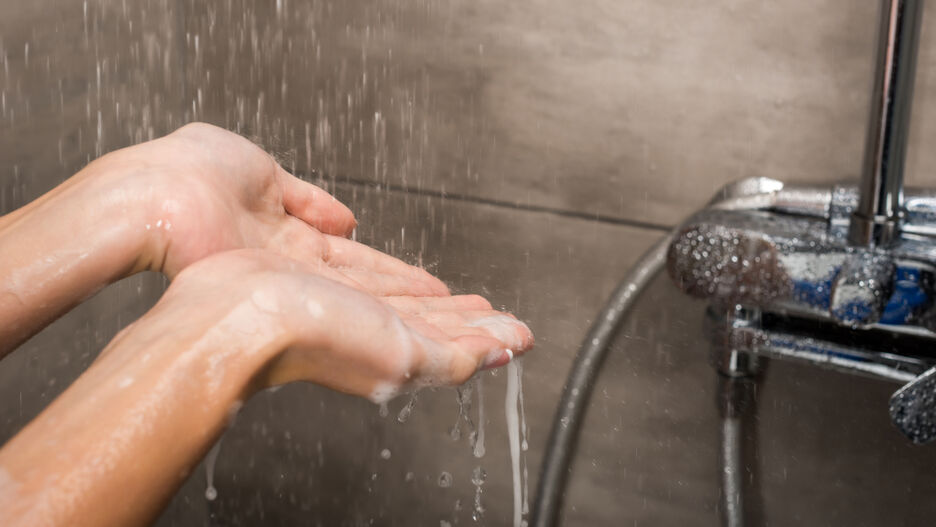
x=638, y=110
x=78, y=79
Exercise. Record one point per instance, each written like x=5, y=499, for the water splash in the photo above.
x=463, y=398
x=478, y=476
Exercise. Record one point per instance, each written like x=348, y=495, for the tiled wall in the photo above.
x=527, y=150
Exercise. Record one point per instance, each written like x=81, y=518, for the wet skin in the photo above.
x=265, y=290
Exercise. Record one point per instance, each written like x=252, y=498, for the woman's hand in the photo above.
x=230, y=324
x=207, y=190
x=375, y=340
x=159, y=206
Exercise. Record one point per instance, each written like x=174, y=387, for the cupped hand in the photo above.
x=332, y=333
x=207, y=190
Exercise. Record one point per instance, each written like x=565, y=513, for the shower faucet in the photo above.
x=842, y=276
x=839, y=276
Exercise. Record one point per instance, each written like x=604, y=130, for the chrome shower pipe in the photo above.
x=748, y=194
x=876, y=221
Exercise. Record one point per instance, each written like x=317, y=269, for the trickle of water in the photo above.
x=407, y=410
x=524, y=434
x=511, y=411
x=384, y=409
x=478, y=438
x=210, y=491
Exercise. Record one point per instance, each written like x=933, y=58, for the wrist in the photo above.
x=130, y=192
x=224, y=346
x=71, y=242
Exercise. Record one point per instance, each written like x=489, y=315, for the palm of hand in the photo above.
x=216, y=191
x=360, y=342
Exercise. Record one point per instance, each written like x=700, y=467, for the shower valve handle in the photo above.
x=913, y=408
x=862, y=288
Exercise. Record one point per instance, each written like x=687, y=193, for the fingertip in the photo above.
x=331, y=216
x=315, y=206
x=497, y=358
x=479, y=303
x=528, y=339
x=478, y=349
x=436, y=286
x=442, y=289
x=346, y=222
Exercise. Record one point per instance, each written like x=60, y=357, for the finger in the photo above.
x=299, y=241
x=380, y=284
x=514, y=335
x=325, y=271
x=346, y=253
x=426, y=329
x=455, y=330
x=471, y=347
x=315, y=206
x=473, y=353
x=447, y=320
x=416, y=305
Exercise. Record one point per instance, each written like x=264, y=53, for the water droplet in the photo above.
x=445, y=480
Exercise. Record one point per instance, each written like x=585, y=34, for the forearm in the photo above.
x=65, y=246
x=113, y=448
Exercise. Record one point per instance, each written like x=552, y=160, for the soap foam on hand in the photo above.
x=505, y=329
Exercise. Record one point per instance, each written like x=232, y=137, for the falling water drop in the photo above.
x=210, y=491
x=445, y=480
x=408, y=409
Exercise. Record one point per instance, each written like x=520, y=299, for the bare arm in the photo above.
x=157, y=206
x=112, y=449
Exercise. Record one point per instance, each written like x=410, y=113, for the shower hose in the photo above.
x=581, y=381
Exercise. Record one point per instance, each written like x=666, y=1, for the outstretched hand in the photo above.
x=265, y=290
x=164, y=205
x=393, y=334
x=228, y=325
x=208, y=190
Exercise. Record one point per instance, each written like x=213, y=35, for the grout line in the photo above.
x=565, y=213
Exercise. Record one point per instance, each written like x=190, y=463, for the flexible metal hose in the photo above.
x=581, y=381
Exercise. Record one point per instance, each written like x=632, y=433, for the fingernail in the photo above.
x=497, y=358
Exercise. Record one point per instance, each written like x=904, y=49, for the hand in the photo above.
x=373, y=345
x=230, y=324
x=207, y=190
x=162, y=206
